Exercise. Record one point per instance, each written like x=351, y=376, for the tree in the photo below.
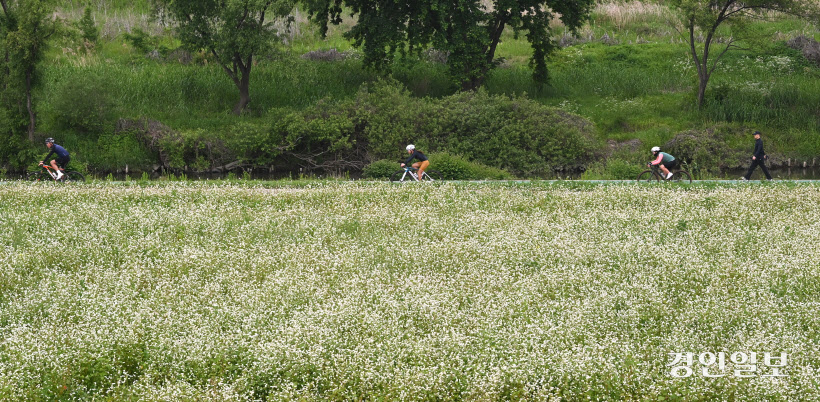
x=467, y=30
x=705, y=17
x=24, y=32
x=233, y=31
x=88, y=28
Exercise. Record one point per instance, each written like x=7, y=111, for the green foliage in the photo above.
x=623, y=170
x=233, y=31
x=705, y=18
x=252, y=143
x=454, y=167
x=380, y=169
x=25, y=29
x=143, y=42
x=84, y=104
x=117, y=150
x=707, y=151
x=468, y=31
x=196, y=149
x=514, y=134
x=88, y=27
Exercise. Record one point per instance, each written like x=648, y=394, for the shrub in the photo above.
x=380, y=169
x=252, y=143
x=118, y=149
x=84, y=104
x=515, y=134
x=89, y=30
x=454, y=167
x=623, y=170
x=710, y=149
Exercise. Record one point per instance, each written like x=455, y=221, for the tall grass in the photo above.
x=639, y=83
x=174, y=90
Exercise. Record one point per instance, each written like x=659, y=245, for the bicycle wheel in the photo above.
x=73, y=177
x=647, y=176
x=37, y=176
x=401, y=176
x=681, y=176
x=432, y=175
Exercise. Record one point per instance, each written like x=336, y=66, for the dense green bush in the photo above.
x=84, y=104
x=115, y=150
x=514, y=134
x=454, y=167
x=711, y=149
x=88, y=28
x=380, y=169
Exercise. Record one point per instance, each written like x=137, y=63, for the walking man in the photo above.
x=758, y=159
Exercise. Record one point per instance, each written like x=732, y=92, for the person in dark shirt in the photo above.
x=758, y=159
x=62, y=159
x=421, y=165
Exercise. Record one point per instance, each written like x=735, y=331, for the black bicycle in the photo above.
x=654, y=174
x=47, y=173
x=408, y=174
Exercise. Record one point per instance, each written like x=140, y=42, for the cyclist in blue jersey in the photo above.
x=664, y=161
x=59, y=163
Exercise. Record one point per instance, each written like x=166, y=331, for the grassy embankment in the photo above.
x=326, y=291
x=638, y=84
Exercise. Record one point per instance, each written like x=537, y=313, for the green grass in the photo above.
x=641, y=87
x=331, y=291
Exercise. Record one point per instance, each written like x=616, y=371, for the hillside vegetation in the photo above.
x=626, y=79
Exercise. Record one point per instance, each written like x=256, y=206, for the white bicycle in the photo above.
x=408, y=173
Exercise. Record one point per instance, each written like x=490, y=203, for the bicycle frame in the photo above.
x=48, y=169
x=412, y=172
x=656, y=170
x=678, y=175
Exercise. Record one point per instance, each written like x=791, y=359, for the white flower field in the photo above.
x=369, y=291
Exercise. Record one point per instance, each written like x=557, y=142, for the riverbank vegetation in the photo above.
x=625, y=81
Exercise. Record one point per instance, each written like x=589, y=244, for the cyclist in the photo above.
x=421, y=165
x=663, y=160
x=62, y=159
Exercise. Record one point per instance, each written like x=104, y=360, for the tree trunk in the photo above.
x=702, y=81
x=32, y=117
x=472, y=84
x=244, y=89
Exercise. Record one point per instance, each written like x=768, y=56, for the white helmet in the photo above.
x=656, y=149
x=411, y=147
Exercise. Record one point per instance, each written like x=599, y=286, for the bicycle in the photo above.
x=654, y=175
x=47, y=173
x=408, y=173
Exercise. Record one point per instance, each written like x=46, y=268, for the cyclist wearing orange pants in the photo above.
x=422, y=164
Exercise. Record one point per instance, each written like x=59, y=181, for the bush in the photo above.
x=454, y=167
x=119, y=149
x=711, y=149
x=380, y=169
x=514, y=134
x=622, y=170
x=84, y=105
x=89, y=30
x=252, y=143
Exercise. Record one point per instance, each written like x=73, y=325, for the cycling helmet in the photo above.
x=411, y=147
x=49, y=140
x=656, y=149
